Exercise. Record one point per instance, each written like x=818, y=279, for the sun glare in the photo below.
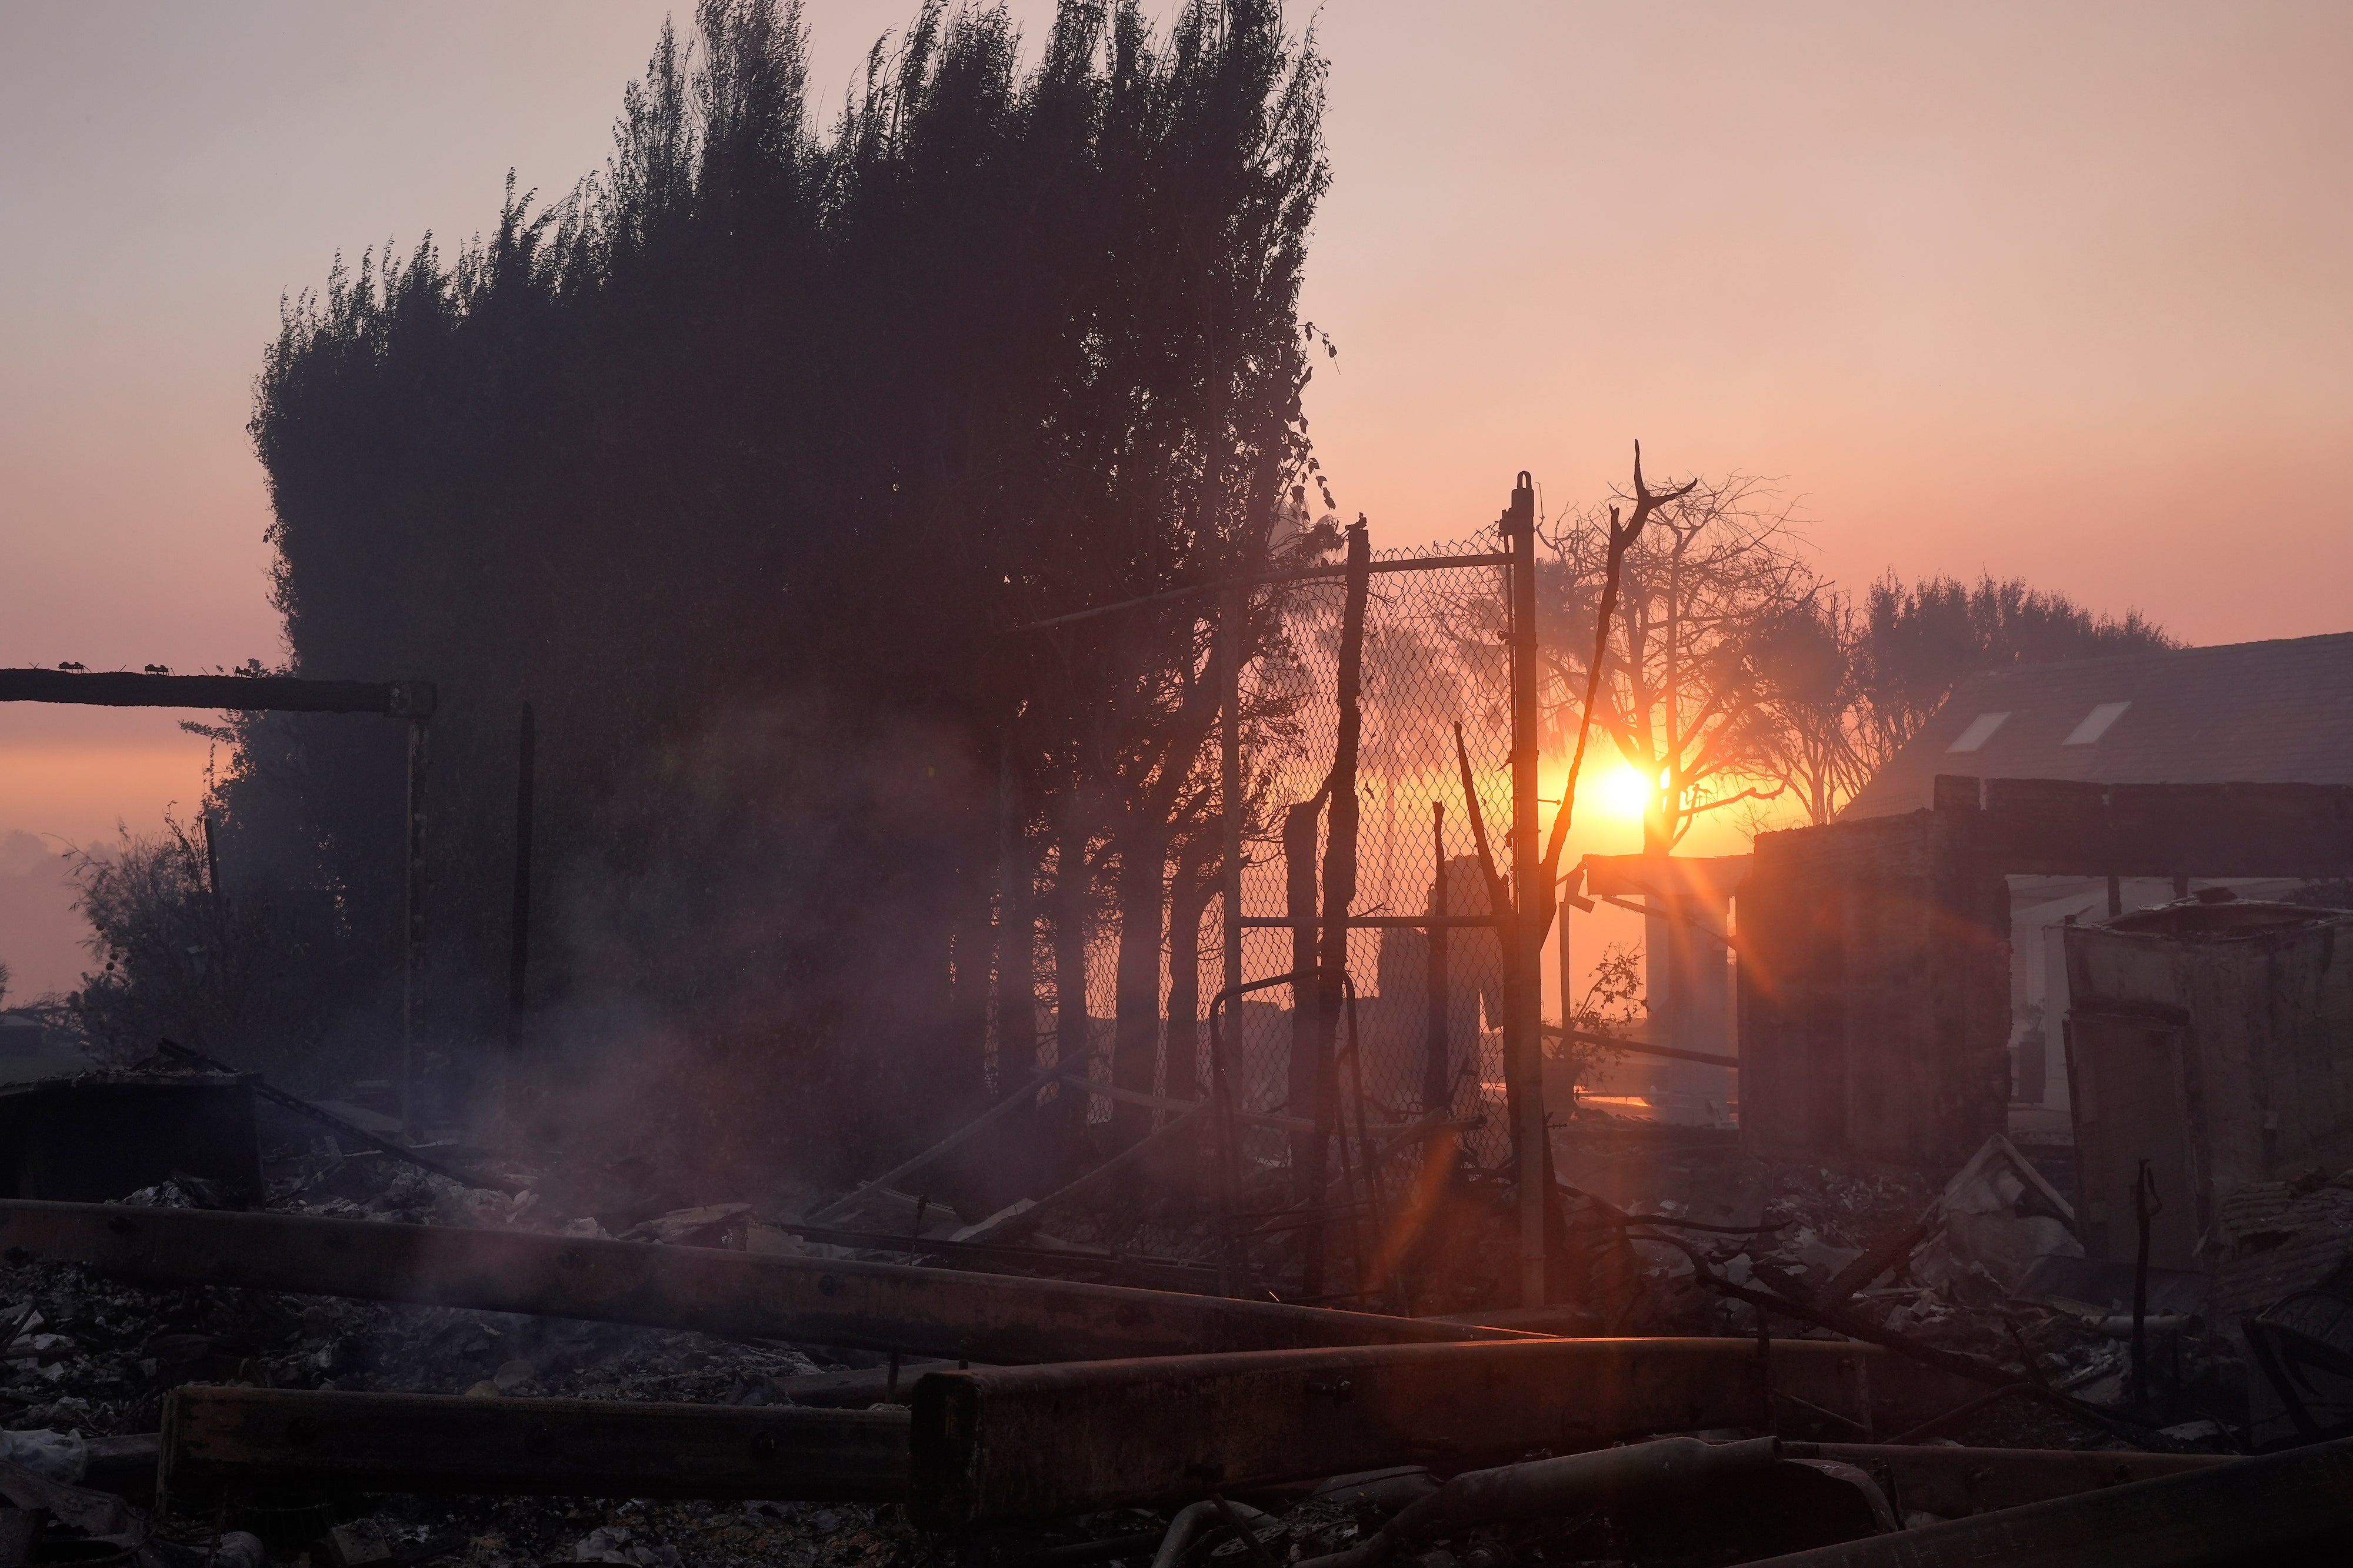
x=1623, y=793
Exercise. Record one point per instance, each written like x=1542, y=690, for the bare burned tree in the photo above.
x=1675, y=680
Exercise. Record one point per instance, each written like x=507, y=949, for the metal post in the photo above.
x=1304, y=1084
x=2146, y=1205
x=1523, y=1004
x=1232, y=610
x=1562, y=965
x=518, y=929
x=1230, y=614
x=412, y=1004
x=1437, y=1057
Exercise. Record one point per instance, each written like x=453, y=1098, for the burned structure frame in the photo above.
x=1874, y=953
x=412, y=701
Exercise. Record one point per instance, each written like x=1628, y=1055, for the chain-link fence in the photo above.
x=1435, y=655
x=1427, y=1027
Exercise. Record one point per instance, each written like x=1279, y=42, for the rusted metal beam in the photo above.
x=273, y=693
x=331, y=1440
x=874, y=1306
x=1960, y=1481
x=1014, y=1442
x=2279, y=1507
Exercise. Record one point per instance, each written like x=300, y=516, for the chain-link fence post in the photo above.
x=1523, y=968
x=1230, y=610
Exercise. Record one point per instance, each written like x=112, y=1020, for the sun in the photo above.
x=1623, y=793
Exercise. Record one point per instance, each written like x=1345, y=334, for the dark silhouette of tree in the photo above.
x=740, y=462
x=1917, y=643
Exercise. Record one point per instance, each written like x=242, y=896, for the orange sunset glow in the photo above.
x=2047, y=292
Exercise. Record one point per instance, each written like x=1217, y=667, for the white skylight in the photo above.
x=2095, y=723
x=1980, y=732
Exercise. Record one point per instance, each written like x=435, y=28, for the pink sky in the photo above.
x=2053, y=290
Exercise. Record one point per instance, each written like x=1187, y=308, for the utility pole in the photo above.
x=1523, y=933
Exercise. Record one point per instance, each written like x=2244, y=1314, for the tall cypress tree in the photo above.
x=739, y=462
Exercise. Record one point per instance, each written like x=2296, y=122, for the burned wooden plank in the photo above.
x=332, y=1440
x=1034, y=1442
x=1959, y=1482
x=952, y=1314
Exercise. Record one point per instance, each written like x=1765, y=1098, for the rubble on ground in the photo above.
x=1649, y=1228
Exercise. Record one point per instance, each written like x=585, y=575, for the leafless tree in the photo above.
x=1682, y=692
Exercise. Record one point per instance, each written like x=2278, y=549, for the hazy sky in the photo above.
x=2050, y=289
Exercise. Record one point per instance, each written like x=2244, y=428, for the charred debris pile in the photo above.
x=350, y=1351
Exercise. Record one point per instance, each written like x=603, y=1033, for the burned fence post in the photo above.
x=1523, y=933
x=1438, y=1059
x=1304, y=1083
x=1339, y=876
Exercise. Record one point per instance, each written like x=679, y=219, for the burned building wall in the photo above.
x=2214, y=1042
x=1874, y=991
